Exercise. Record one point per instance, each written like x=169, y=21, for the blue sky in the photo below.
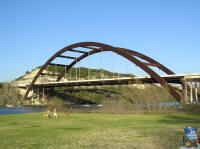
x=33, y=30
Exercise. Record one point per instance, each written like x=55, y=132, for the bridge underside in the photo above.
x=112, y=81
x=187, y=85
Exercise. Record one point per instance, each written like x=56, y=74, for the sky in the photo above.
x=31, y=31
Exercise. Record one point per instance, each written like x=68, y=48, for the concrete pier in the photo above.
x=196, y=92
x=191, y=94
x=185, y=92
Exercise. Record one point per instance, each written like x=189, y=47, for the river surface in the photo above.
x=21, y=110
x=36, y=109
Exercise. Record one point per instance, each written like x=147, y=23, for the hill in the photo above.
x=81, y=74
x=97, y=94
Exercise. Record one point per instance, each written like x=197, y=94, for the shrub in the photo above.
x=27, y=72
x=1, y=85
x=191, y=108
x=9, y=94
x=55, y=102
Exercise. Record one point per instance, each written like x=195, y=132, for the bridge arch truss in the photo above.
x=94, y=47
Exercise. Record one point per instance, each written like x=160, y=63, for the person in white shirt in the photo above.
x=54, y=113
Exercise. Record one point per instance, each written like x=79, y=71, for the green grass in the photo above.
x=88, y=131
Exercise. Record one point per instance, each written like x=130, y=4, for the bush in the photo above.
x=57, y=103
x=1, y=85
x=27, y=72
x=191, y=108
x=9, y=94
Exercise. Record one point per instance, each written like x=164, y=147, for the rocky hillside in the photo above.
x=81, y=73
x=97, y=94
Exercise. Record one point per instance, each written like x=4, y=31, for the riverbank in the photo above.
x=153, y=108
x=90, y=131
x=167, y=107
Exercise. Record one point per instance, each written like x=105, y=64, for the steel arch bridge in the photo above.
x=139, y=59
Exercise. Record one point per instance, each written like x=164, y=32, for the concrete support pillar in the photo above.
x=43, y=94
x=191, y=95
x=198, y=86
x=38, y=93
x=185, y=91
x=196, y=92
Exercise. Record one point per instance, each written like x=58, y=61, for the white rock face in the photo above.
x=27, y=79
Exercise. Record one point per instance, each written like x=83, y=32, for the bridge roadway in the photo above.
x=114, y=81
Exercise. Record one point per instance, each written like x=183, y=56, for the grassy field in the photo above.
x=93, y=131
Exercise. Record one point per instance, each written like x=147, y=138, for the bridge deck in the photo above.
x=114, y=81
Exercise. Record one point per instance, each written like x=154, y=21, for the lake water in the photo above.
x=36, y=109
x=20, y=110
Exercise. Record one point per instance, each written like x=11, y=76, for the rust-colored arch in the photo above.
x=128, y=54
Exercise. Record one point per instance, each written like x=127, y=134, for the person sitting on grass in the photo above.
x=48, y=113
x=54, y=113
